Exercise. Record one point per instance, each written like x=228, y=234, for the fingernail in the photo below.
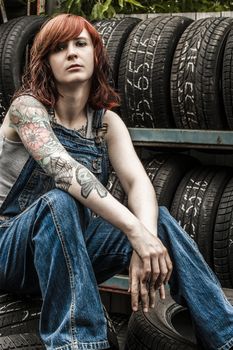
x=145, y=309
x=152, y=306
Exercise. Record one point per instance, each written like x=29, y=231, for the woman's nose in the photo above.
x=72, y=50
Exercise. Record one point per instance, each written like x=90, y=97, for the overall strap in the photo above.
x=98, y=118
x=99, y=128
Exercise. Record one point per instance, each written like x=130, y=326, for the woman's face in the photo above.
x=73, y=61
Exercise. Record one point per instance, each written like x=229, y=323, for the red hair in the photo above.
x=39, y=80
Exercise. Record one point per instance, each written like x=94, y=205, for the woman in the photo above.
x=61, y=231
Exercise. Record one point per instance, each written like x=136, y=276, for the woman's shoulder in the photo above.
x=116, y=126
x=26, y=106
x=26, y=98
x=112, y=118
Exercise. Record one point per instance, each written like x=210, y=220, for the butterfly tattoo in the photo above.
x=88, y=183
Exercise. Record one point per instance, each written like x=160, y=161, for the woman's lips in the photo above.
x=74, y=67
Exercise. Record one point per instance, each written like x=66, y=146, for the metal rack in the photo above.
x=211, y=139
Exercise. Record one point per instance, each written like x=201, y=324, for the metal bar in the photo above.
x=3, y=11
x=28, y=7
x=183, y=138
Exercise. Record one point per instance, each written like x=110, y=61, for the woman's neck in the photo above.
x=70, y=108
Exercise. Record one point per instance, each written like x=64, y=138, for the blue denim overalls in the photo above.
x=51, y=244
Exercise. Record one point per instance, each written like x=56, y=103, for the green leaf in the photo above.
x=121, y=3
x=96, y=12
x=110, y=12
x=135, y=3
x=106, y=5
x=69, y=4
x=76, y=7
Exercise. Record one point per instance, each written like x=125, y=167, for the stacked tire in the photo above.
x=16, y=37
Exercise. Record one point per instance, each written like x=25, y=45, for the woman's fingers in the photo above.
x=169, y=266
x=160, y=274
x=134, y=289
x=162, y=292
x=144, y=295
x=145, y=277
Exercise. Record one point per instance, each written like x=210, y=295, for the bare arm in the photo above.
x=141, y=195
x=142, y=202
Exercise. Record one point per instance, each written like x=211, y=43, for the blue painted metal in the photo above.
x=181, y=137
x=118, y=283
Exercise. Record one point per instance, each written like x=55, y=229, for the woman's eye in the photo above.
x=59, y=47
x=81, y=43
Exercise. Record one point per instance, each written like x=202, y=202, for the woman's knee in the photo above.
x=60, y=201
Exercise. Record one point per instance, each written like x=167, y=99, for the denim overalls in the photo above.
x=51, y=244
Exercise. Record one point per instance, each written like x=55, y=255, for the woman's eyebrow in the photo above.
x=82, y=37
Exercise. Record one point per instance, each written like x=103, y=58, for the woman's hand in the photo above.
x=150, y=269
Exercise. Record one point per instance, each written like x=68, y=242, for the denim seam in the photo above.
x=69, y=267
x=85, y=346
x=8, y=222
x=227, y=346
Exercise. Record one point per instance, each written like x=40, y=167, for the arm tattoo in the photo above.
x=88, y=182
x=62, y=167
x=29, y=117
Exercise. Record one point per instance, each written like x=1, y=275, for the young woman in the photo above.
x=61, y=231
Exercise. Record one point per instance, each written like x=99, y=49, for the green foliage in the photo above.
x=165, y=6
x=99, y=9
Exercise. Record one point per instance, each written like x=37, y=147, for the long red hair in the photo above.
x=39, y=80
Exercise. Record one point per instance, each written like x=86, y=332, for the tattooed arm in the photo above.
x=30, y=119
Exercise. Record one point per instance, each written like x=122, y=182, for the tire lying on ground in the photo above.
x=18, y=314
x=114, y=34
x=196, y=76
x=24, y=341
x=144, y=74
x=223, y=238
x=167, y=326
x=13, y=57
x=195, y=204
x=19, y=322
